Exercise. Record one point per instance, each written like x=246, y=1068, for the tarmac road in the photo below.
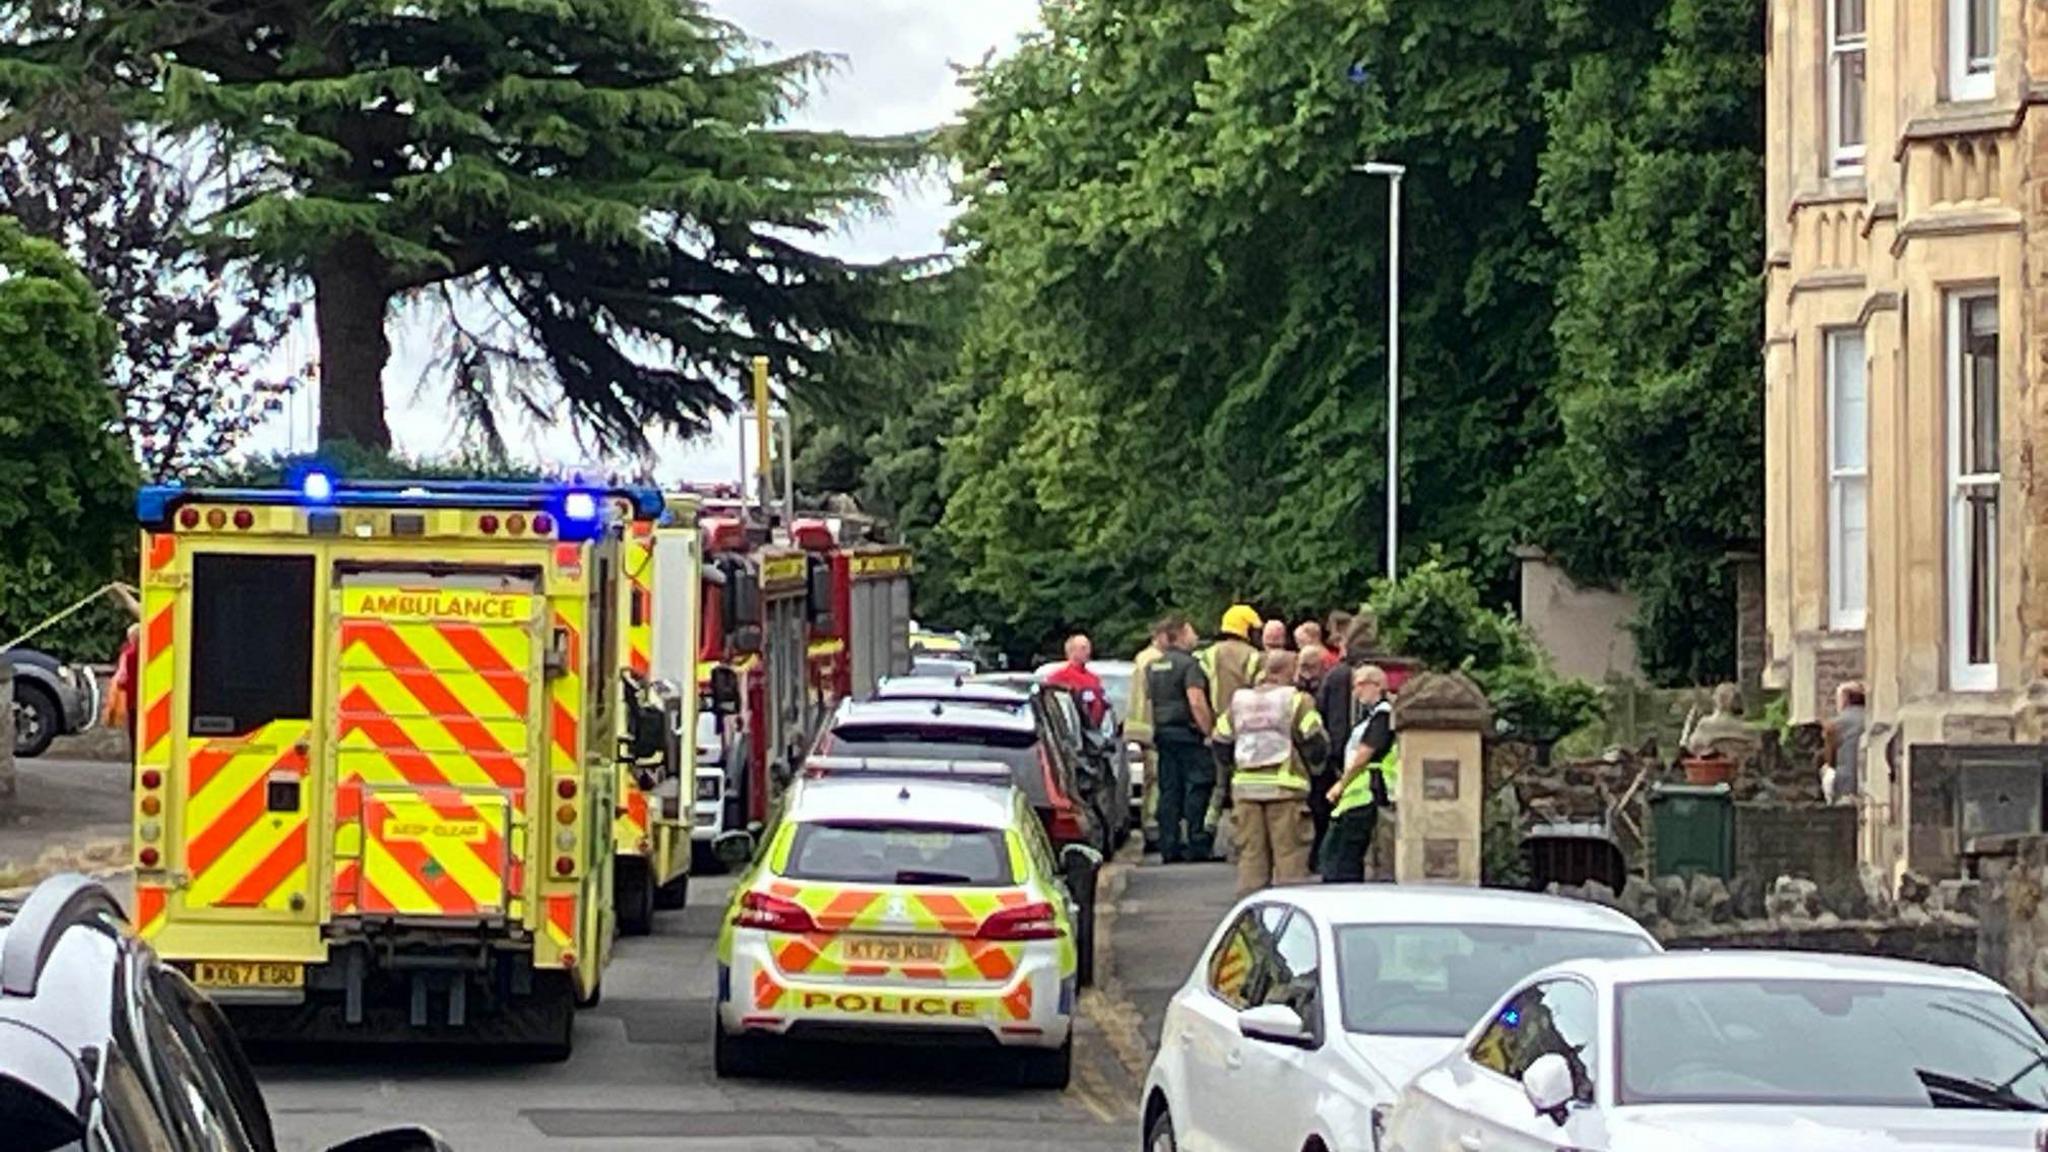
x=641, y=1079
x=65, y=803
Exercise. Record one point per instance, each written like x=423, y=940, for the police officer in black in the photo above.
x=1177, y=692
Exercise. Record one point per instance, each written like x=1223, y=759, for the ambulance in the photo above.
x=377, y=753
x=660, y=789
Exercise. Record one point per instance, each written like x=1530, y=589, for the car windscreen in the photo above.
x=1827, y=1042
x=1017, y=750
x=894, y=853
x=1436, y=979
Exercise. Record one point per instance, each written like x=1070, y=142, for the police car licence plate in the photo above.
x=247, y=974
x=873, y=950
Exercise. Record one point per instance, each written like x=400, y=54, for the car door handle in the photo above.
x=1471, y=1142
x=1234, y=1060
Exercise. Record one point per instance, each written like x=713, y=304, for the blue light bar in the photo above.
x=648, y=503
x=155, y=505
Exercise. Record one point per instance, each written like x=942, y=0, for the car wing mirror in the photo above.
x=733, y=849
x=395, y=1140
x=1548, y=1084
x=1275, y=1024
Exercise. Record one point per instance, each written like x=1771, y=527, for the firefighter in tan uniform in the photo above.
x=1232, y=662
x=1138, y=727
x=1264, y=743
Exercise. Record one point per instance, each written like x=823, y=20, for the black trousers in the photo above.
x=1319, y=811
x=1350, y=839
x=1187, y=775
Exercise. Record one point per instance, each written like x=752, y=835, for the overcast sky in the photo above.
x=897, y=75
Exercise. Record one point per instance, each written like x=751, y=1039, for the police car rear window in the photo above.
x=905, y=854
x=1017, y=750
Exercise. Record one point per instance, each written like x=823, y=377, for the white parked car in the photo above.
x=1312, y=1006
x=1738, y=1052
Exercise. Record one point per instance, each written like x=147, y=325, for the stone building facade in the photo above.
x=1907, y=246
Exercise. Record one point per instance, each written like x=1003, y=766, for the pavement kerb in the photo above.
x=1106, y=1005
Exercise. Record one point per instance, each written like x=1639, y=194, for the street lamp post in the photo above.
x=1393, y=173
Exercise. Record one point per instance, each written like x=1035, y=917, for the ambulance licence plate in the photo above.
x=871, y=950
x=247, y=974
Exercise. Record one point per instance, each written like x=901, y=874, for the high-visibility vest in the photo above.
x=1358, y=793
x=1263, y=722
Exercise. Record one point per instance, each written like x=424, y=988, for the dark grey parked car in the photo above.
x=51, y=699
x=105, y=1048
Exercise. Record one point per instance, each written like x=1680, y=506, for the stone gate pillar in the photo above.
x=1441, y=721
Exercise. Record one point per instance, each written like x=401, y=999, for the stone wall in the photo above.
x=1934, y=924
x=1818, y=843
x=1584, y=630
x=2013, y=947
x=1781, y=826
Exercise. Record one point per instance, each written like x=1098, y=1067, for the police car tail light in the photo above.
x=773, y=914
x=1025, y=922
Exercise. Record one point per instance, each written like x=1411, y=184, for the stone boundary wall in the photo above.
x=1935, y=924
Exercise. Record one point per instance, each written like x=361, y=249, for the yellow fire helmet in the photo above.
x=1242, y=620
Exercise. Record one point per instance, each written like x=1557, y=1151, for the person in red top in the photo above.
x=1075, y=677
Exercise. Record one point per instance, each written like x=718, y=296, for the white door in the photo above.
x=1211, y=1050
x=1273, y=1090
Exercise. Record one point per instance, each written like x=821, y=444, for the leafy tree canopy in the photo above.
x=1176, y=347
x=194, y=359
x=1184, y=292
x=66, y=479
x=605, y=182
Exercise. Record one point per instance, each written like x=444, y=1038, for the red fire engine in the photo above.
x=804, y=622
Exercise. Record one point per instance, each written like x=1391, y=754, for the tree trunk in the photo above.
x=349, y=303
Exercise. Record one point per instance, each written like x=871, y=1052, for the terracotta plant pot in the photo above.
x=1709, y=772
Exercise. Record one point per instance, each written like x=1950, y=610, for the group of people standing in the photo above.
x=1247, y=728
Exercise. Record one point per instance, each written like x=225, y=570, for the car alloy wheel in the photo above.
x=37, y=720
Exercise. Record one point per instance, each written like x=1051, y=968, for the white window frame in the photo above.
x=1965, y=675
x=1844, y=616
x=1971, y=77
x=1845, y=158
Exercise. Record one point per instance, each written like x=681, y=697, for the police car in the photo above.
x=909, y=902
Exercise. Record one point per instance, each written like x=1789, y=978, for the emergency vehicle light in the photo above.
x=875, y=767
x=576, y=514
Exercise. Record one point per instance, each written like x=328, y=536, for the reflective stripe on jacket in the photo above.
x=1231, y=665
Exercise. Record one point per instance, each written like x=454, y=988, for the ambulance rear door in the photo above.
x=438, y=678
x=242, y=816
